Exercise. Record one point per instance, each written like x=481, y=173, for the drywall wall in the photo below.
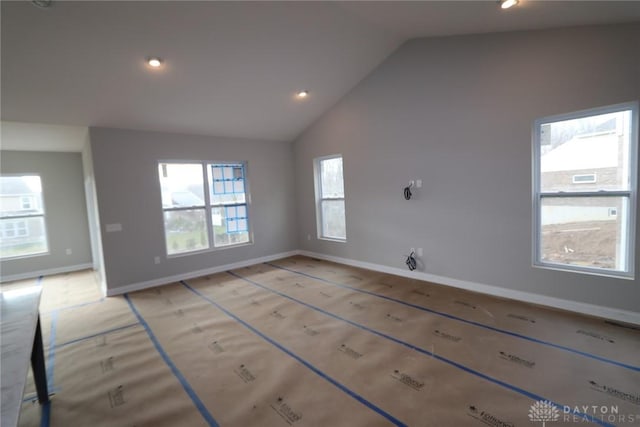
x=65, y=212
x=457, y=113
x=93, y=215
x=125, y=165
x=21, y=136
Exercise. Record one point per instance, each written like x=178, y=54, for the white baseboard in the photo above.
x=193, y=274
x=47, y=272
x=574, y=306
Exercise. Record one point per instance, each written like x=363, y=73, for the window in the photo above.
x=204, y=205
x=330, y=198
x=26, y=202
x=22, y=217
x=582, y=223
x=13, y=228
x=584, y=178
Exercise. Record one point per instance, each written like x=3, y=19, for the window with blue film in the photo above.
x=236, y=219
x=228, y=178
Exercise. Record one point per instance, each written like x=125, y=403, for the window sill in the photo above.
x=583, y=270
x=332, y=239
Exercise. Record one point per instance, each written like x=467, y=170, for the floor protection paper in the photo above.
x=305, y=342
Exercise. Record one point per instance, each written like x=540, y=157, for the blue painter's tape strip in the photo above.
x=183, y=381
x=97, y=334
x=71, y=307
x=45, y=415
x=428, y=353
x=299, y=359
x=470, y=322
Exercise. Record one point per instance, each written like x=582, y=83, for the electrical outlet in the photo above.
x=156, y=260
x=419, y=252
x=68, y=251
x=418, y=183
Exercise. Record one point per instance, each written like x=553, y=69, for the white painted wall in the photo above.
x=457, y=113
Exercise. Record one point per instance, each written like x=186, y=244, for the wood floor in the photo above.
x=305, y=342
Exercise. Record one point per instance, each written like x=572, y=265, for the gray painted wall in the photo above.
x=457, y=113
x=65, y=211
x=125, y=166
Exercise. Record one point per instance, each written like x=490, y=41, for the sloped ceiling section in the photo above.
x=231, y=68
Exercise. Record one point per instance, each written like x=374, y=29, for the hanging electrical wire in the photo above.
x=407, y=191
x=411, y=261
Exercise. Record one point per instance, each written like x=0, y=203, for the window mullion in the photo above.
x=207, y=204
x=22, y=216
x=187, y=208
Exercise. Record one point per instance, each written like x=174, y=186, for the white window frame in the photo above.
x=317, y=169
x=629, y=233
x=208, y=206
x=24, y=218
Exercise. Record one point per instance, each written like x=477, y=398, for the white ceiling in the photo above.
x=232, y=68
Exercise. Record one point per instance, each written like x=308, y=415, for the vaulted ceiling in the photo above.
x=230, y=68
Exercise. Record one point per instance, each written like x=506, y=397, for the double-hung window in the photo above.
x=330, y=209
x=205, y=205
x=584, y=189
x=22, y=217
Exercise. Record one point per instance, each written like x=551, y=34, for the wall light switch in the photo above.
x=156, y=260
x=68, y=251
x=418, y=183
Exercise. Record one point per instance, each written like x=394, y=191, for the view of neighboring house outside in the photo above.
x=586, y=155
x=22, y=221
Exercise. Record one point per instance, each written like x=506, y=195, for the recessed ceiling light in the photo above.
x=506, y=4
x=154, y=62
x=302, y=94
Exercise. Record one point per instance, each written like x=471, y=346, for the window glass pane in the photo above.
x=181, y=184
x=21, y=237
x=227, y=183
x=584, y=231
x=333, y=222
x=586, y=154
x=20, y=195
x=331, y=178
x=185, y=231
x=230, y=225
